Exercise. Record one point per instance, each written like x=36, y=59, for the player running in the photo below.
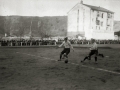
x=93, y=51
x=67, y=45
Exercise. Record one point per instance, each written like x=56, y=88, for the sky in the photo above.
x=52, y=7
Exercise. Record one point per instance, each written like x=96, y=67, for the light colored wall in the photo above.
x=79, y=23
x=72, y=22
x=103, y=35
x=87, y=23
x=102, y=31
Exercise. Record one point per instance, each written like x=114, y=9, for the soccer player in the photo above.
x=67, y=45
x=93, y=51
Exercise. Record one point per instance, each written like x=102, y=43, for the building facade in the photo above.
x=90, y=22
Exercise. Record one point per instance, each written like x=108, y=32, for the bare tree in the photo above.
x=21, y=30
x=7, y=27
x=43, y=30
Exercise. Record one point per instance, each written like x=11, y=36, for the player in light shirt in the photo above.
x=93, y=51
x=67, y=45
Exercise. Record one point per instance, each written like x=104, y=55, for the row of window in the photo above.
x=98, y=22
x=98, y=28
x=100, y=14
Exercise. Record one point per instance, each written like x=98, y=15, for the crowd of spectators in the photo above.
x=24, y=42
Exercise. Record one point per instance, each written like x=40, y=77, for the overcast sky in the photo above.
x=52, y=7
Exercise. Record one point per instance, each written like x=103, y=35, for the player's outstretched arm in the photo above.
x=71, y=46
x=61, y=45
x=58, y=46
x=73, y=49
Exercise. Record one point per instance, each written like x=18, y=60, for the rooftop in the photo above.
x=98, y=8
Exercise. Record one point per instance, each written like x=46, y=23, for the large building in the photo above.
x=90, y=22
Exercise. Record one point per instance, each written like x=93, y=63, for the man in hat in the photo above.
x=93, y=51
x=67, y=45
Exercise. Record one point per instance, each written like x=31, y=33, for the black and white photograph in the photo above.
x=59, y=44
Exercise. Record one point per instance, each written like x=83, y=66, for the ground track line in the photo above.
x=99, y=69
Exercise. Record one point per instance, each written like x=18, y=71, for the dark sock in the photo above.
x=89, y=57
x=60, y=56
x=101, y=55
x=85, y=58
x=95, y=59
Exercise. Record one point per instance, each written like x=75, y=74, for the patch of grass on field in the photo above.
x=27, y=69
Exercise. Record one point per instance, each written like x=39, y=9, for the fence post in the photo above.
x=21, y=43
x=55, y=43
x=11, y=44
x=39, y=43
x=88, y=43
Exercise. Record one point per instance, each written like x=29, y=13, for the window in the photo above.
x=109, y=15
x=101, y=23
x=106, y=28
x=98, y=13
x=102, y=15
x=108, y=22
x=97, y=22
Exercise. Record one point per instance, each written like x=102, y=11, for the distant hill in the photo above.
x=36, y=26
x=116, y=26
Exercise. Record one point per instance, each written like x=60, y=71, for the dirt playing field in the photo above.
x=38, y=69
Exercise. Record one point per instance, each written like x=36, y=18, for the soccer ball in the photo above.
x=66, y=61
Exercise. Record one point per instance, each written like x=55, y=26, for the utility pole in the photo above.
x=78, y=23
x=30, y=28
x=118, y=35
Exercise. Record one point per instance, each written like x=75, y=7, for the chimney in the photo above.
x=81, y=2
